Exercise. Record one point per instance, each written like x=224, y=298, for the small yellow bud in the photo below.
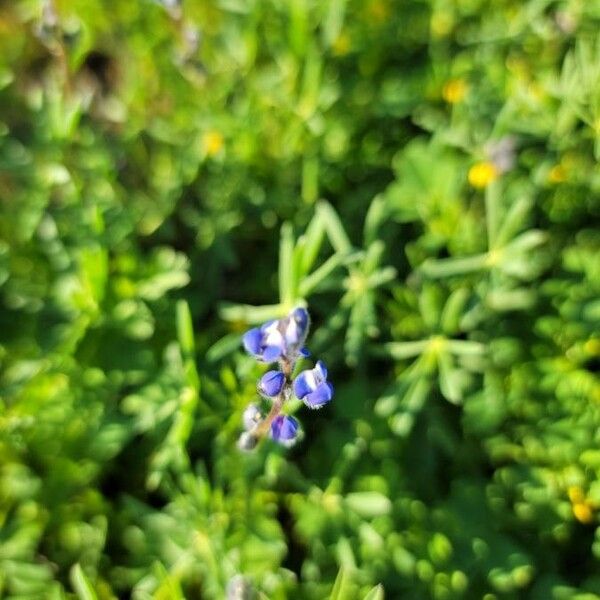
x=482, y=174
x=213, y=142
x=557, y=174
x=341, y=45
x=454, y=91
x=583, y=512
x=378, y=11
x=592, y=347
x=441, y=24
x=575, y=494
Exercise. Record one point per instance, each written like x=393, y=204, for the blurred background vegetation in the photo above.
x=423, y=174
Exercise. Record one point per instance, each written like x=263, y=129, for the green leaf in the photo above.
x=453, y=310
x=376, y=214
x=373, y=256
x=81, y=584
x=334, y=228
x=465, y=348
x=310, y=178
x=526, y=241
x=449, y=380
x=513, y=221
x=93, y=263
x=185, y=328
x=492, y=212
x=308, y=284
x=382, y=277
x=375, y=594
x=307, y=106
x=447, y=267
x=333, y=21
x=287, y=277
x=413, y=395
x=223, y=347
x=342, y=588
x=431, y=301
x=312, y=240
x=368, y=504
x=185, y=334
x=169, y=587
x=403, y=350
x=321, y=274
x=252, y=315
x=345, y=554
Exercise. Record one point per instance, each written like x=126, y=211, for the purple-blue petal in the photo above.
x=252, y=341
x=271, y=382
x=272, y=353
x=322, y=395
x=266, y=325
x=301, y=387
x=304, y=352
x=300, y=315
x=284, y=429
x=321, y=369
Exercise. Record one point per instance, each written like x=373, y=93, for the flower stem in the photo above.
x=263, y=427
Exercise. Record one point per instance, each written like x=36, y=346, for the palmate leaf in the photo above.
x=298, y=280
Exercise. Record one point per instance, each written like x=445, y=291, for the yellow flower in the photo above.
x=213, y=142
x=377, y=11
x=454, y=91
x=557, y=174
x=575, y=494
x=582, y=508
x=341, y=45
x=583, y=512
x=482, y=174
x=441, y=23
x=592, y=347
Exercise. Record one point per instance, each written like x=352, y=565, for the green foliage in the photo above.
x=421, y=175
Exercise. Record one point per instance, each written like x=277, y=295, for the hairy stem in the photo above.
x=264, y=426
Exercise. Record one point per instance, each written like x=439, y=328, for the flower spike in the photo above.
x=282, y=340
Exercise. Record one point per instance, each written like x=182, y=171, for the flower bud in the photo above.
x=247, y=441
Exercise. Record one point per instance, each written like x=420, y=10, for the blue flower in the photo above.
x=285, y=430
x=312, y=387
x=297, y=328
x=271, y=383
x=281, y=338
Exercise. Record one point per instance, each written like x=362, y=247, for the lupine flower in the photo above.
x=251, y=417
x=312, y=387
x=281, y=338
x=271, y=383
x=247, y=441
x=285, y=430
